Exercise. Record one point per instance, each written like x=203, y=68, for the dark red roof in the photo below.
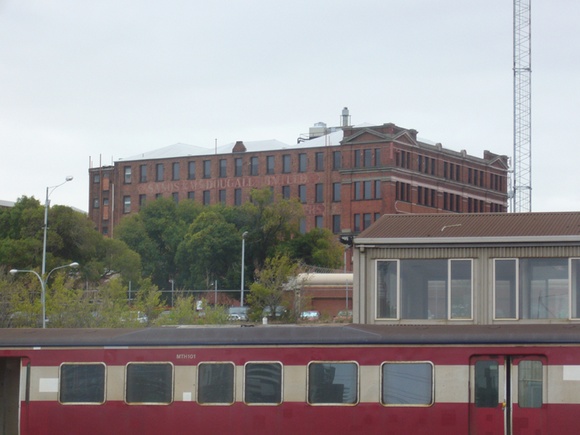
x=474, y=225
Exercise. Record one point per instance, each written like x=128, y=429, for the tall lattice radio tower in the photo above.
x=521, y=195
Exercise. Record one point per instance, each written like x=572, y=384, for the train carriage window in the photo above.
x=215, y=383
x=82, y=383
x=263, y=383
x=332, y=383
x=486, y=384
x=149, y=383
x=407, y=384
x=530, y=380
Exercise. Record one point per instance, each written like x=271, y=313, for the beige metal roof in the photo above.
x=473, y=227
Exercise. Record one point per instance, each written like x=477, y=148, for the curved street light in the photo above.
x=43, y=284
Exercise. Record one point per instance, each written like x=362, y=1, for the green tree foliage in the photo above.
x=148, y=301
x=269, y=221
x=318, y=247
x=206, y=252
x=70, y=237
x=268, y=289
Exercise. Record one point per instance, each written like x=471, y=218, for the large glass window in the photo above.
x=424, y=289
x=407, y=384
x=82, y=383
x=332, y=383
x=263, y=383
x=215, y=383
x=575, y=286
x=149, y=383
x=531, y=288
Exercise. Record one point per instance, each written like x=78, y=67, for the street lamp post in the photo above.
x=43, y=281
x=49, y=190
x=244, y=235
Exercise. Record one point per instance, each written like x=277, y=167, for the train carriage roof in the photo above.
x=294, y=335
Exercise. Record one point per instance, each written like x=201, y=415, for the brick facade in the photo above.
x=345, y=184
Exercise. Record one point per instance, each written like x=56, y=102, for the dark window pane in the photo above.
x=82, y=383
x=215, y=383
x=149, y=383
x=332, y=383
x=263, y=383
x=407, y=384
x=486, y=384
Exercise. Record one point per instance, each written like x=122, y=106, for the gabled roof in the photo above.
x=473, y=228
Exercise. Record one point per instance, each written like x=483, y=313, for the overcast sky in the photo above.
x=84, y=81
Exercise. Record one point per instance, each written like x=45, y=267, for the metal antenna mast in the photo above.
x=522, y=161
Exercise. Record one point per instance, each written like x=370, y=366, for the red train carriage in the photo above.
x=292, y=379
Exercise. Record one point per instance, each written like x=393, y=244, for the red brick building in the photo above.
x=346, y=177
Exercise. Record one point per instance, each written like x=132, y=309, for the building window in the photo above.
x=207, y=169
x=302, y=193
x=175, y=171
x=286, y=163
x=142, y=199
x=407, y=384
x=149, y=383
x=206, y=197
x=357, y=190
x=332, y=383
x=96, y=178
x=127, y=174
x=319, y=193
x=318, y=221
x=336, y=223
x=215, y=383
x=377, y=157
x=302, y=225
x=357, y=158
x=159, y=172
x=96, y=202
x=237, y=196
x=263, y=383
x=191, y=195
x=533, y=288
x=286, y=192
x=378, y=193
x=142, y=173
x=254, y=166
x=302, y=162
x=238, y=167
x=158, y=195
x=270, y=164
x=222, y=196
x=368, y=158
x=336, y=189
x=223, y=168
x=366, y=220
x=82, y=383
x=367, y=190
x=127, y=204
x=403, y=191
x=336, y=160
x=175, y=196
x=426, y=289
x=191, y=170
x=319, y=161
x=357, y=223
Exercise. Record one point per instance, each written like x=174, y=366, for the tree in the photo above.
x=318, y=247
x=268, y=289
x=148, y=301
x=207, y=251
x=269, y=221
